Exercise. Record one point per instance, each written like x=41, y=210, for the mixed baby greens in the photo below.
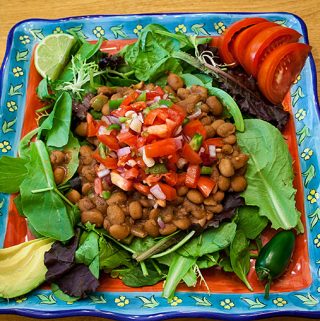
x=81, y=252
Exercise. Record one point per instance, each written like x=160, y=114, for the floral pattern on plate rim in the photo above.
x=133, y=305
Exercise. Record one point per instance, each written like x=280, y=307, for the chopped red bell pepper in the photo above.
x=206, y=185
x=121, y=182
x=194, y=126
x=169, y=191
x=192, y=177
x=93, y=126
x=190, y=155
x=160, y=148
x=141, y=188
x=109, y=141
x=108, y=162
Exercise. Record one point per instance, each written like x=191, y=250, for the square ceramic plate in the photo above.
x=296, y=294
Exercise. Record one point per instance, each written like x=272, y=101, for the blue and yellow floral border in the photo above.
x=151, y=306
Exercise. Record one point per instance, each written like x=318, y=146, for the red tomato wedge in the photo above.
x=229, y=36
x=163, y=147
x=239, y=45
x=280, y=69
x=264, y=43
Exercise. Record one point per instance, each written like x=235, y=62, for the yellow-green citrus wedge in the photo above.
x=52, y=54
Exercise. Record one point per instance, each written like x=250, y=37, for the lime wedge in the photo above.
x=52, y=54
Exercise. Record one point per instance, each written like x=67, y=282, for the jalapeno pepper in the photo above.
x=274, y=258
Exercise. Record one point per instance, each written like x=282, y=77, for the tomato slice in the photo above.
x=163, y=147
x=280, y=69
x=241, y=42
x=109, y=141
x=229, y=35
x=193, y=127
x=264, y=43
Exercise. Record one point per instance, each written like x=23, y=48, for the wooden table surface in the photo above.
x=13, y=11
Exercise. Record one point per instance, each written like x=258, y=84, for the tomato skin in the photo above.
x=127, y=138
x=160, y=148
x=263, y=44
x=229, y=35
x=241, y=42
x=131, y=173
x=193, y=175
x=171, y=178
x=92, y=126
x=273, y=86
x=130, y=99
x=156, y=113
x=190, y=155
x=194, y=126
x=206, y=185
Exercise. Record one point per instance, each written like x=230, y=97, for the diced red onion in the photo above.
x=160, y=222
x=103, y=131
x=202, y=150
x=177, y=131
x=186, y=138
x=136, y=124
x=113, y=154
x=181, y=162
x=156, y=99
x=212, y=151
x=123, y=151
x=149, y=161
x=140, y=117
x=114, y=120
x=124, y=128
x=103, y=173
x=157, y=192
x=106, y=120
x=130, y=113
x=196, y=114
x=178, y=141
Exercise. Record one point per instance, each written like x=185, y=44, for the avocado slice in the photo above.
x=22, y=267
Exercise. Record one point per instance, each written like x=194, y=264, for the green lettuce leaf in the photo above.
x=269, y=174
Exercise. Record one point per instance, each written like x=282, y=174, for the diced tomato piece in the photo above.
x=172, y=162
x=158, y=130
x=130, y=99
x=93, y=126
x=138, y=106
x=192, y=177
x=109, y=141
x=108, y=162
x=161, y=148
x=194, y=126
x=141, y=188
x=141, y=141
x=177, y=114
x=121, y=111
x=131, y=173
x=171, y=125
x=169, y=191
x=127, y=138
x=121, y=182
x=156, y=113
x=190, y=155
x=206, y=185
x=171, y=178
x=217, y=141
x=123, y=160
x=157, y=91
x=181, y=179
x=153, y=178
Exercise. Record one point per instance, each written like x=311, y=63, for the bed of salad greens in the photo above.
x=80, y=253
